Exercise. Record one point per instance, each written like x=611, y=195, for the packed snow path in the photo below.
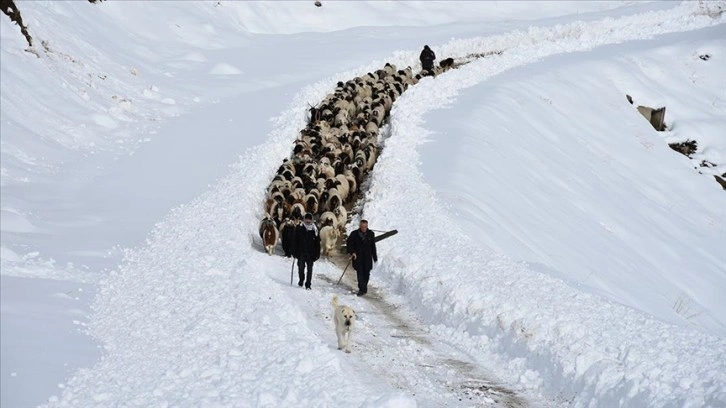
x=399, y=347
x=392, y=341
x=182, y=316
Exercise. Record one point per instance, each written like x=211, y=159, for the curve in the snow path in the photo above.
x=339, y=146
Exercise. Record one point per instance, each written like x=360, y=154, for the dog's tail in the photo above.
x=335, y=301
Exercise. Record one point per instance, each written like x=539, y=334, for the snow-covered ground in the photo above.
x=551, y=244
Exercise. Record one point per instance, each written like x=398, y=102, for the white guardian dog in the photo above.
x=344, y=318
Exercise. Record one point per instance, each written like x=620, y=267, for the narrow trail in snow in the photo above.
x=448, y=375
x=393, y=342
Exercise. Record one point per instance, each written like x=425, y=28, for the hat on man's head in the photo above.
x=308, y=216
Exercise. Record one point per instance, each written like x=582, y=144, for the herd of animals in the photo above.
x=332, y=156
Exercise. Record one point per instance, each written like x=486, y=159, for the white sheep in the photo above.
x=329, y=218
x=342, y=215
x=343, y=186
x=334, y=199
x=328, y=238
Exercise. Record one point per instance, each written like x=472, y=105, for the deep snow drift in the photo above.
x=616, y=303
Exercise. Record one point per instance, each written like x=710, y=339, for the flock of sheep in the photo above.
x=332, y=156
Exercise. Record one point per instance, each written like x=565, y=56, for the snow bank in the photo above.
x=574, y=343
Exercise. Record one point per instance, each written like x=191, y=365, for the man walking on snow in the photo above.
x=361, y=246
x=306, y=248
x=427, y=58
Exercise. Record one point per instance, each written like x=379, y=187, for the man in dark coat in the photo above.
x=427, y=58
x=361, y=246
x=306, y=248
x=287, y=235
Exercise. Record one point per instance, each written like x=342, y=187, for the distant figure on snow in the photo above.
x=361, y=245
x=306, y=246
x=427, y=58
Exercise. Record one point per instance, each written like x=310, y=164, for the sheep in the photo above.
x=269, y=204
x=311, y=203
x=278, y=212
x=328, y=218
x=357, y=173
x=390, y=68
x=343, y=186
x=298, y=194
x=353, y=185
x=334, y=199
x=372, y=153
x=296, y=182
x=325, y=169
x=347, y=153
x=372, y=127
x=341, y=118
x=297, y=210
x=278, y=196
x=387, y=102
x=378, y=114
x=361, y=159
x=446, y=64
x=328, y=238
x=342, y=215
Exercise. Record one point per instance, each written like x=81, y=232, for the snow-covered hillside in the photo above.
x=549, y=240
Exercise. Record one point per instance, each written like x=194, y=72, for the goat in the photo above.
x=269, y=235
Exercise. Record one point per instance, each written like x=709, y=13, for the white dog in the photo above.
x=344, y=318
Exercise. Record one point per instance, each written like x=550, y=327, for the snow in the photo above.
x=552, y=249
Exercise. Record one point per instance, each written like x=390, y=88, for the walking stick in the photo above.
x=346, y=268
x=292, y=266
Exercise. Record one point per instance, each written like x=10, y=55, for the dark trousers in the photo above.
x=363, y=277
x=427, y=65
x=301, y=262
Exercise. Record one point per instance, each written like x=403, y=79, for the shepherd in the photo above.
x=306, y=248
x=361, y=245
x=427, y=59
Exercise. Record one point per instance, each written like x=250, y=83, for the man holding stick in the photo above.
x=361, y=246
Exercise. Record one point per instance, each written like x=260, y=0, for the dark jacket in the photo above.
x=288, y=239
x=427, y=58
x=364, y=247
x=306, y=244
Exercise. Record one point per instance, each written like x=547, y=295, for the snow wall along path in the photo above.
x=599, y=352
x=182, y=315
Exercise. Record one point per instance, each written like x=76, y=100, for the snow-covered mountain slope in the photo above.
x=583, y=166
x=197, y=316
